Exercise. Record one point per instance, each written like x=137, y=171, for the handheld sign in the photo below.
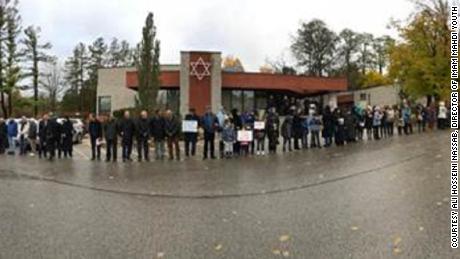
x=259, y=125
x=189, y=126
x=244, y=136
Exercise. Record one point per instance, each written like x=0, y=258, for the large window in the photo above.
x=105, y=104
x=169, y=99
x=244, y=100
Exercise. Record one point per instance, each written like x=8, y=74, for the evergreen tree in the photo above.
x=12, y=70
x=97, y=60
x=76, y=76
x=148, y=67
x=35, y=53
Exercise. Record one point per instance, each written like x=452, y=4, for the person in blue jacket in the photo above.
x=12, y=135
x=210, y=124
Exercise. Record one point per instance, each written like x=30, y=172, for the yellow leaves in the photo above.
x=396, y=245
x=354, y=228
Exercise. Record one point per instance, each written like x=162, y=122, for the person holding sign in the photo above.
x=259, y=134
x=210, y=124
x=190, y=129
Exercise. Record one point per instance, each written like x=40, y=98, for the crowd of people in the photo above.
x=236, y=133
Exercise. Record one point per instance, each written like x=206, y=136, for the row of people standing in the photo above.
x=45, y=136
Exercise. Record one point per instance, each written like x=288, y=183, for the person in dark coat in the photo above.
x=235, y=119
x=95, y=135
x=329, y=124
x=369, y=120
x=142, y=136
x=272, y=127
x=110, y=129
x=172, y=131
x=157, y=130
x=67, y=137
x=350, y=127
x=286, y=132
x=340, y=128
x=42, y=135
x=12, y=130
x=53, y=134
x=210, y=124
x=191, y=137
x=297, y=129
x=127, y=131
x=3, y=136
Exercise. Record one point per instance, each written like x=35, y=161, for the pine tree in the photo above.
x=76, y=75
x=97, y=60
x=148, y=67
x=12, y=69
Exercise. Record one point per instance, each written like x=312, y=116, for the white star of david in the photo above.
x=200, y=73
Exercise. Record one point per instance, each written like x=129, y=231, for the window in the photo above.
x=105, y=104
x=248, y=101
x=363, y=97
x=237, y=100
x=168, y=99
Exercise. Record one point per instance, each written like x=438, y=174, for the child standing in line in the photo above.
x=229, y=138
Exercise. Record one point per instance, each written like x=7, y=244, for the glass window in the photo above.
x=227, y=99
x=261, y=100
x=105, y=104
x=248, y=100
x=237, y=100
x=168, y=99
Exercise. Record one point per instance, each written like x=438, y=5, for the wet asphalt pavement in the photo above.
x=385, y=199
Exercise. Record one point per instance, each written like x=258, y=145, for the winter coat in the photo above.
x=172, y=127
x=142, y=128
x=111, y=130
x=127, y=129
x=95, y=129
x=157, y=128
x=228, y=134
x=23, y=129
x=286, y=128
x=209, y=123
x=12, y=129
x=33, y=130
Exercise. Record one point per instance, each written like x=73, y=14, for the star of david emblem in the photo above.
x=200, y=69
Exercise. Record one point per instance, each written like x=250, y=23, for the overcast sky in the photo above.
x=252, y=30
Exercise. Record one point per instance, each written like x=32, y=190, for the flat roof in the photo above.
x=256, y=81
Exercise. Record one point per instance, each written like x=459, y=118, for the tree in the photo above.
x=97, y=51
x=148, y=67
x=381, y=46
x=76, y=75
x=35, y=53
x=314, y=47
x=366, y=59
x=53, y=84
x=347, y=50
x=420, y=63
x=232, y=64
x=10, y=28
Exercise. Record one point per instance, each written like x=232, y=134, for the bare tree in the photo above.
x=52, y=83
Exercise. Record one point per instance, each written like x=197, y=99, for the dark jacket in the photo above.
x=42, y=129
x=111, y=130
x=142, y=128
x=95, y=129
x=286, y=128
x=3, y=135
x=33, y=130
x=172, y=127
x=12, y=128
x=127, y=129
x=209, y=123
x=67, y=129
x=53, y=130
x=157, y=128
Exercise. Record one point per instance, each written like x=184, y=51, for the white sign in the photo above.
x=259, y=125
x=244, y=136
x=190, y=126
